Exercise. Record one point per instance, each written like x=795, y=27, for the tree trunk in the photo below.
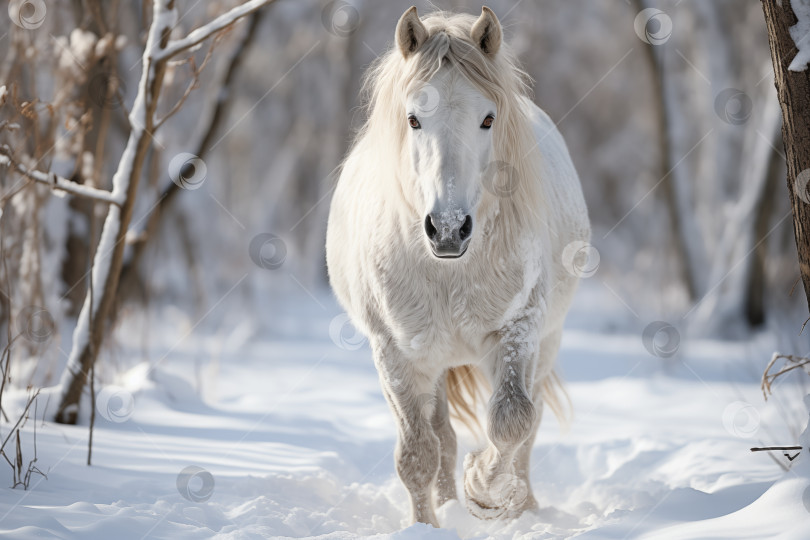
x=755, y=286
x=793, y=89
x=109, y=256
x=682, y=221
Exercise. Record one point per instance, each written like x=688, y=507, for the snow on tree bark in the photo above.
x=800, y=32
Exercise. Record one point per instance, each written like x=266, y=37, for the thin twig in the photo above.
x=31, y=467
x=785, y=452
x=4, y=364
x=20, y=419
x=768, y=378
x=93, y=226
x=92, y=413
x=195, y=81
x=93, y=234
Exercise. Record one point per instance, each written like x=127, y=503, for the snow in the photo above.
x=285, y=433
x=449, y=220
x=83, y=45
x=788, y=498
x=800, y=32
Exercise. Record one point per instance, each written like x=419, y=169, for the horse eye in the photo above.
x=488, y=122
x=413, y=122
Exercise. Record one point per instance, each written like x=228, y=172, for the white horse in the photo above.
x=445, y=245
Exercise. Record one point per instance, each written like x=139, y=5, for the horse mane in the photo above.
x=387, y=83
x=500, y=78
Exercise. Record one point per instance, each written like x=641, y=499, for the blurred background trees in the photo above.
x=668, y=108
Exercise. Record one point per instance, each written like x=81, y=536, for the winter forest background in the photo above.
x=673, y=124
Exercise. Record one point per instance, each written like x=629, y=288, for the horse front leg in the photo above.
x=446, y=482
x=549, y=349
x=411, y=397
x=492, y=484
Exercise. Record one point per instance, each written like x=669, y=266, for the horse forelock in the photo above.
x=500, y=78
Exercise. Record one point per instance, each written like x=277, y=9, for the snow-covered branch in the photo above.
x=58, y=182
x=204, y=32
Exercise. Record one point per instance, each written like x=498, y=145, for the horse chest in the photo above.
x=432, y=306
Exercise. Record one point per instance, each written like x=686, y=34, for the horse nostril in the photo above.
x=466, y=229
x=429, y=228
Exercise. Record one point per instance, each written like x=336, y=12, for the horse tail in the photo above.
x=557, y=398
x=465, y=386
x=464, y=390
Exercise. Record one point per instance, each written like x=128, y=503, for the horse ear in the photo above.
x=486, y=32
x=411, y=33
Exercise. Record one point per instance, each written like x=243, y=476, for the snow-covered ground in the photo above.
x=284, y=433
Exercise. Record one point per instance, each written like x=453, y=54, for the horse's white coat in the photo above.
x=500, y=305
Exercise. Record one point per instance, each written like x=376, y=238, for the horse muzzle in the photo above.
x=448, y=234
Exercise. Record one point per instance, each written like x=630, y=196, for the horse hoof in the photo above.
x=482, y=511
x=493, y=496
x=509, y=502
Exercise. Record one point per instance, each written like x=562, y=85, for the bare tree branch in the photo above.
x=95, y=315
x=202, y=33
x=214, y=121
